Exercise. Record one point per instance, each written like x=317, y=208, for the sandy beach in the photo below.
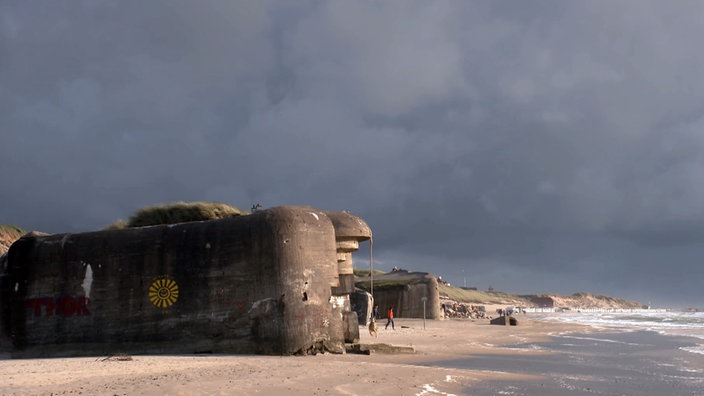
x=323, y=374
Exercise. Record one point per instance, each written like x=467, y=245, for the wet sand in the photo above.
x=323, y=374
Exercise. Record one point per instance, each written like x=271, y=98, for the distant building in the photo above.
x=541, y=301
x=404, y=291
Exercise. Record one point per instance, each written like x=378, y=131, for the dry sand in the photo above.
x=324, y=374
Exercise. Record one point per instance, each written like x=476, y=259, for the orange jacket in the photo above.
x=391, y=313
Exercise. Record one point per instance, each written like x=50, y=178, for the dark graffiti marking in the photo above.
x=65, y=306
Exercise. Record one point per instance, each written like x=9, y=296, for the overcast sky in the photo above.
x=541, y=146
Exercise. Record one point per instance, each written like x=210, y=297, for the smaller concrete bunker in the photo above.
x=273, y=282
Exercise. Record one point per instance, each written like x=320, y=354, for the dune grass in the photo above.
x=365, y=272
x=178, y=212
x=8, y=235
x=384, y=284
x=475, y=296
x=607, y=299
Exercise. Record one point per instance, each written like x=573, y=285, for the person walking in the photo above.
x=390, y=315
x=375, y=312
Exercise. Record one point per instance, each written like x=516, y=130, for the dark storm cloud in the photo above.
x=543, y=146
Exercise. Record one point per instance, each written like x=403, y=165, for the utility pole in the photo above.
x=424, y=299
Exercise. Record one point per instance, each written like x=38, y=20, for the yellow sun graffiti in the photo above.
x=163, y=292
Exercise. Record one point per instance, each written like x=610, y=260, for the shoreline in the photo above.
x=453, y=356
x=345, y=374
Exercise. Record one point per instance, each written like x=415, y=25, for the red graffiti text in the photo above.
x=66, y=306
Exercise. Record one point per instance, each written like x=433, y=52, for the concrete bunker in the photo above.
x=273, y=282
x=412, y=294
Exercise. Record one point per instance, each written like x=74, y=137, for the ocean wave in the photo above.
x=687, y=324
x=694, y=349
x=649, y=321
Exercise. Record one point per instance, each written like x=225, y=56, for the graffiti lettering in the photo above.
x=66, y=306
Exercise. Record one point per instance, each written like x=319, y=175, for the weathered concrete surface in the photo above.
x=349, y=231
x=252, y=284
x=351, y=326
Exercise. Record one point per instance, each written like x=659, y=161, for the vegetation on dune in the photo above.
x=8, y=235
x=364, y=272
x=584, y=300
x=602, y=299
x=384, y=284
x=476, y=296
x=7, y=229
x=179, y=212
x=118, y=225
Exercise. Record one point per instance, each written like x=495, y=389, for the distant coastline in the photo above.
x=492, y=299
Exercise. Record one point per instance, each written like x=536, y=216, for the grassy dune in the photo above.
x=8, y=235
x=478, y=296
x=179, y=212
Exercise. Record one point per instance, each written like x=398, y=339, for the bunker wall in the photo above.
x=407, y=299
x=252, y=284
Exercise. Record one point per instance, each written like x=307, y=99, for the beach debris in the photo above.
x=501, y=320
x=118, y=357
x=387, y=349
x=455, y=310
x=324, y=346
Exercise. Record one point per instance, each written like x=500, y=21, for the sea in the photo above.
x=665, y=322
x=644, y=353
